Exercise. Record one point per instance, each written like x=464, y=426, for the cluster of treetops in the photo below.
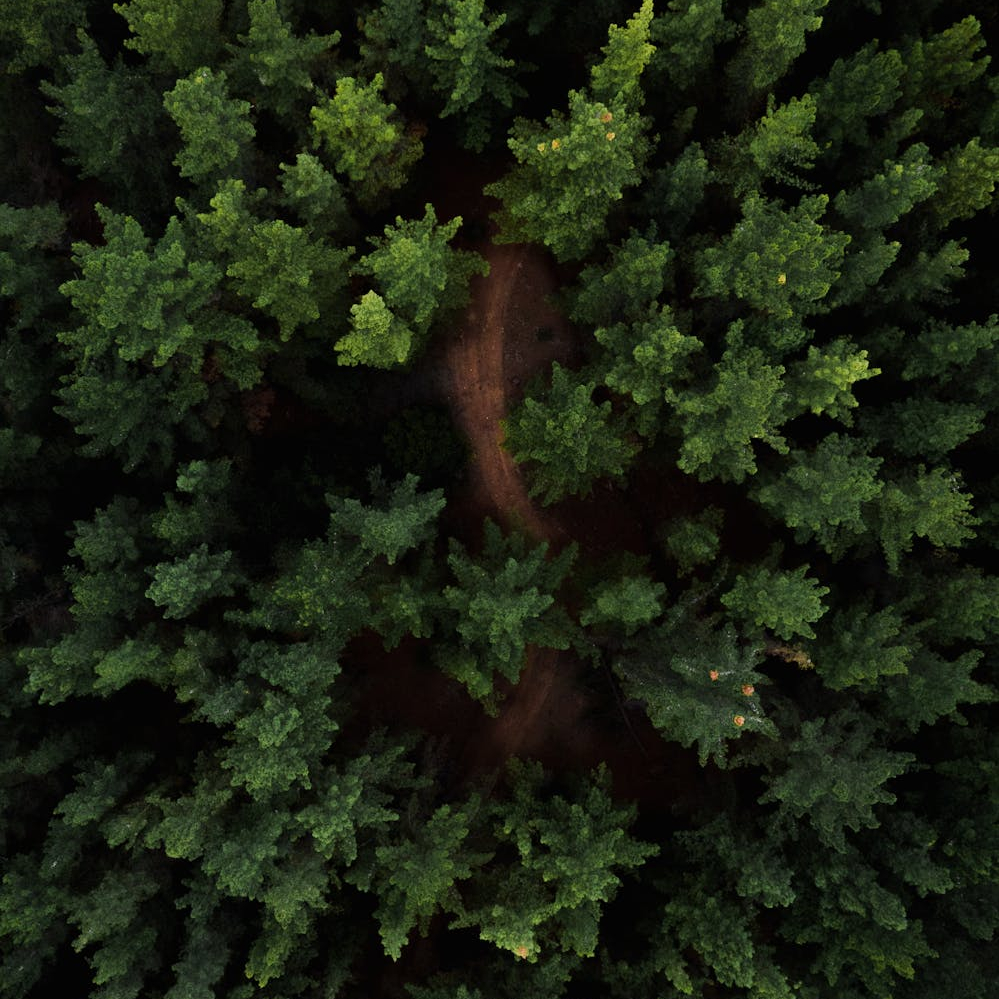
x=773, y=221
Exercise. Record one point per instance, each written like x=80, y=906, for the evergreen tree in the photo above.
x=568, y=437
x=364, y=138
x=499, y=604
x=178, y=35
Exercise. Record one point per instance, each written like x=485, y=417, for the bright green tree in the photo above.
x=966, y=182
x=364, y=137
x=569, y=439
x=822, y=383
x=215, y=128
x=572, y=169
x=781, y=262
x=786, y=602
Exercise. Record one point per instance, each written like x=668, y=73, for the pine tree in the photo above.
x=278, y=61
x=467, y=66
x=178, y=35
x=786, y=602
x=821, y=493
x=364, y=138
x=779, y=262
x=745, y=401
x=499, y=604
x=569, y=439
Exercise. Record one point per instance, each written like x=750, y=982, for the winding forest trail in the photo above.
x=508, y=334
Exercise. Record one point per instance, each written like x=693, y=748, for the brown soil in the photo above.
x=562, y=712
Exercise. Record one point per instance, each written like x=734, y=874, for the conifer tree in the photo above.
x=178, y=35
x=569, y=439
x=499, y=604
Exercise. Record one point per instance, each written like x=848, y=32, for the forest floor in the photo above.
x=562, y=712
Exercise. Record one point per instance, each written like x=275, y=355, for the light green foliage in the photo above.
x=622, y=288
x=377, y=338
x=822, y=492
x=402, y=520
x=183, y=585
x=500, y=603
x=835, y=775
x=782, y=141
x=823, y=382
x=694, y=541
x=647, y=357
x=744, y=401
x=278, y=267
x=775, y=33
x=416, y=271
x=781, y=262
x=945, y=64
x=25, y=271
x=967, y=181
x=924, y=504
x=570, y=852
x=857, y=645
x=215, y=128
x=883, y=199
x=416, y=877
x=572, y=169
x=570, y=439
x=278, y=60
x=685, y=35
x=100, y=139
x=179, y=35
x=467, y=66
x=693, y=676
x=624, y=603
x=569, y=173
x=313, y=193
x=137, y=298
x=364, y=138
x=615, y=79
x=786, y=602
x=419, y=278
x=777, y=147
x=855, y=93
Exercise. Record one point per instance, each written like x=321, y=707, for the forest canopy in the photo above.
x=270, y=637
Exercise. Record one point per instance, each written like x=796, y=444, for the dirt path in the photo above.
x=488, y=361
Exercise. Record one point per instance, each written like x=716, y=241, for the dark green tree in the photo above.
x=569, y=439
